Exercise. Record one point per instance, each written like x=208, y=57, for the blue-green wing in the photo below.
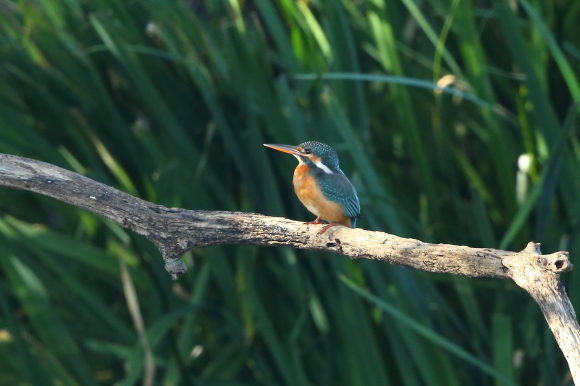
x=336, y=187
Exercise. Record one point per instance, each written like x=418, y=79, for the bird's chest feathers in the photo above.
x=309, y=193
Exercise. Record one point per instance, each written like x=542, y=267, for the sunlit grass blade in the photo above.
x=565, y=68
x=401, y=80
x=503, y=350
x=544, y=186
x=543, y=111
x=427, y=333
x=20, y=362
x=47, y=323
x=435, y=40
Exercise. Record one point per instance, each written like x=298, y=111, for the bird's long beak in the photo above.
x=285, y=148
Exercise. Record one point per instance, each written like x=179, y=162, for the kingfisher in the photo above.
x=321, y=186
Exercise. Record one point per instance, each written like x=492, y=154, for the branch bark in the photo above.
x=175, y=231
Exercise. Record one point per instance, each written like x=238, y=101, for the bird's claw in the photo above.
x=317, y=221
x=324, y=229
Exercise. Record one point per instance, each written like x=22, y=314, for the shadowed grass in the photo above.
x=171, y=101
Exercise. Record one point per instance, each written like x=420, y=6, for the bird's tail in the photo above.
x=350, y=222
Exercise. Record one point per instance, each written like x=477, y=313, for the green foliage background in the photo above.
x=172, y=100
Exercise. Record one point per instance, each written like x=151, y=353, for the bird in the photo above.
x=321, y=186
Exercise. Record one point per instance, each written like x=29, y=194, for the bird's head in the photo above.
x=313, y=154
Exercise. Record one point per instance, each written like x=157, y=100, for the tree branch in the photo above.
x=175, y=231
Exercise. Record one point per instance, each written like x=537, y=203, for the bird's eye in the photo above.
x=307, y=151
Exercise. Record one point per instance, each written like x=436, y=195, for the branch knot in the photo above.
x=529, y=265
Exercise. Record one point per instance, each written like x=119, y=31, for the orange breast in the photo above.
x=314, y=200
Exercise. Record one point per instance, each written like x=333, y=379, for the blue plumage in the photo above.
x=336, y=186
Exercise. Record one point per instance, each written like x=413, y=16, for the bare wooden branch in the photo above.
x=175, y=231
x=539, y=275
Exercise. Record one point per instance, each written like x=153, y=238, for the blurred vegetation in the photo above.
x=172, y=100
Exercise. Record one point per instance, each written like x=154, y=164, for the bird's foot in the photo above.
x=324, y=229
x=317, y=221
